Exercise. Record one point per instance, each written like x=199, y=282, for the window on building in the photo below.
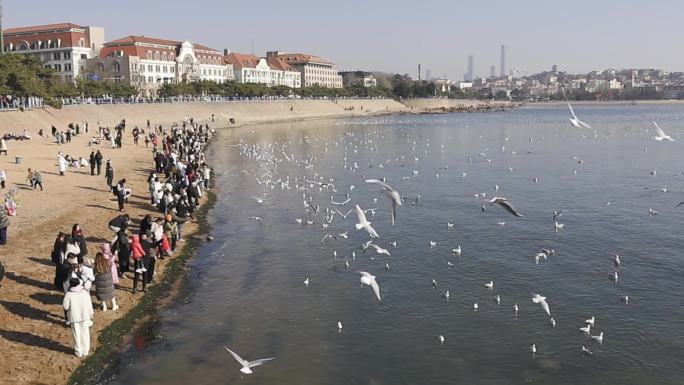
x=150, y=68
x=150, y=79
x=116, y=67
x=157, y=68
x=173, y=70
x=67, y=67
x=84, y=56
x=58, y=67
x=67, y=55
x=81, y=42
x=156, y=55
x=149, y=55
x=56, y=56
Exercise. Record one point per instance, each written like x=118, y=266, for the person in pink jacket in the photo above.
x=107, y=252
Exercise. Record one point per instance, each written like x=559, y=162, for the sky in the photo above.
x=397, y=35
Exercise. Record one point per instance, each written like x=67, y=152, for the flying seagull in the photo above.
x=541, y=301
x=391, y=193
x=364, y=224
x=660, y=134
x=575, y=121
x=504, y=203
x=369, y=279
x=247, y=365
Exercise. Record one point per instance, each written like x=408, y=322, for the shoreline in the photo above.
x=34, y=340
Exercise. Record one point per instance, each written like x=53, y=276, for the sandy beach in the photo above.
x=35, y=343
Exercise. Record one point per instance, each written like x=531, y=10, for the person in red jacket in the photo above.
x=137, y=253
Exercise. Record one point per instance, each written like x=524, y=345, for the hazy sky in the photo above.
x=397, y=35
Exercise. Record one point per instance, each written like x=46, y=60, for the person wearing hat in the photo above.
x=79, y=312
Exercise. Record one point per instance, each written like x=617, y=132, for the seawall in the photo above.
x=246, y=112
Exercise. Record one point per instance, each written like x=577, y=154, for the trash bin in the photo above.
x=17, y=159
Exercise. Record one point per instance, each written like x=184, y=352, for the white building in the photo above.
x=315, y=71
x=269, y=71
x=154, y=62
x=63, y=47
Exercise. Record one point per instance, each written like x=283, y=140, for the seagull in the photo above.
x=247, y=365
x=258, y=219
x=660, y=134
x=585, y=351
x=489, y=285
x=344, y=216
x=364, y=224
x=515, y=309
x=553, y=322
x=390, y=193
x=617, y=260
x=387, y=266
x=614, y=276
x=434, y=282
x=433, y=244
x=558, y=226
x=258, y=200
x=306, y=282
x=590, y=321
x=598, y=338
x=557, y=214
x=533, y=349
x=504, y=203
x=475, y=306
x=446, y=295
x=541, y=301
x=369, y=279
x=339, y=327
x=449, y=225
x=339, y=203
x=586, y=329
x=379, y=249
x=575, y=121
x=441, y=339
x=497, y=299
x=626, y=299
x=457, y=250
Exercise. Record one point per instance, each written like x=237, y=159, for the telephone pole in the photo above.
x=2, y=36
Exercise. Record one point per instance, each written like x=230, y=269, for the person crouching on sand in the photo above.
x=79, y=310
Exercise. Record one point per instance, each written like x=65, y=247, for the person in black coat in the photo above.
x=109, y=175
x=120, y=191
x=98, y=161
x=122, y=248
x=93, y=162
x=76, y=237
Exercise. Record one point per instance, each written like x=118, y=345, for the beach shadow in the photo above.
x=30, y=339
x=50, y=173
x=42, y=261
x=91, y=188
x=96, y=240
x=103, y=207
x=30, y=281
x=48, y=298
x=27, y=311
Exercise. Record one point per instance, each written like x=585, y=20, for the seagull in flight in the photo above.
x=542, y=302
x=369, y=279
x=501, y=201
x=575, y=121
x=390, y=193
x=247, y=365
x=660, y=134
x=364, y=224
x=379, y=249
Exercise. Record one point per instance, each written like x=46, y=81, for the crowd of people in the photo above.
x=128, y=260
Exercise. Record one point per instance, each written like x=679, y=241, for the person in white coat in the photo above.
x=62, y=162
x=79, y=310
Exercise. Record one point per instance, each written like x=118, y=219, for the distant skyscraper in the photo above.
x=428, y=75
x=502, y=66
x=471, y=69
x=492, y=71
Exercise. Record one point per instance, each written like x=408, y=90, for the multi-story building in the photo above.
x=271, y=71
x=315, y=71
x=147, y=63
x=358, y=78
x=63, y=47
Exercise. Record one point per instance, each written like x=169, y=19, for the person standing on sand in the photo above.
x=138, y=253
x=79, y=310
x=122, y=252
x=98, y=161
x=93, y=162
x=109, y=174
x=37, y=180
x=120, y=191
x=62, y=162
x=4, y=223
x=106, y=250
x=3, y=146
x=3, y=178
x=104, y=286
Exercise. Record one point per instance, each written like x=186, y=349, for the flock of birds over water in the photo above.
x=319, y=211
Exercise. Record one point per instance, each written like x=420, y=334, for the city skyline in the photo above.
x=395, y=37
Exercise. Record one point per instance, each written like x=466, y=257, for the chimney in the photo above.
x=225, y=52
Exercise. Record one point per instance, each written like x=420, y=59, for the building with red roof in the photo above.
x=62, y=46
x=269, y=71
x=315, y=70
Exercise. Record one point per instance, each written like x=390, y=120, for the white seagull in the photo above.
x=369, y=279
x=598, y=338
x=247, y=365
x=586, y=329
x=364, y=224
x=542, y=302
x=489, y=285
x=575, y=120
x=590, y=321
x=379, y=249
x=391, y=193
x=501, y=201
x=660, y=134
